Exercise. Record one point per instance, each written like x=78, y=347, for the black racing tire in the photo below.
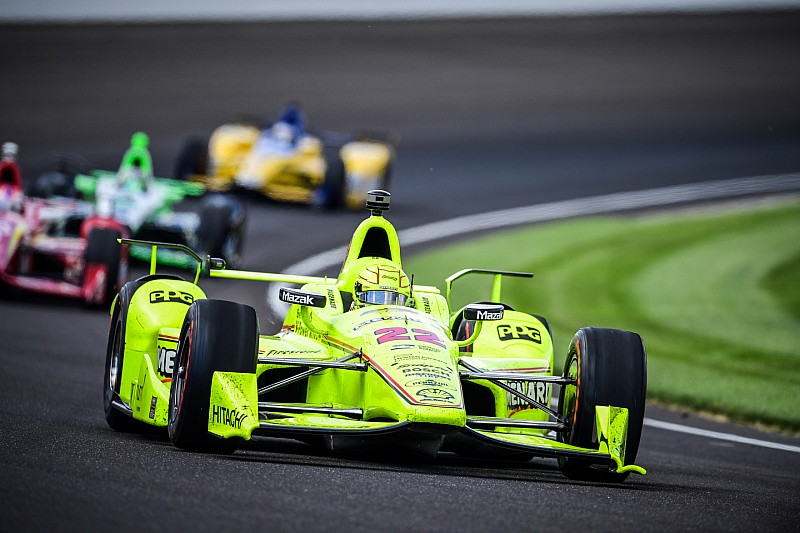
x=221, y=229
x=331, y=193
x=386, y=179
x=216, y=335
x=115, y=352
x=192, y=160
x=610, y=367
x=104, y=250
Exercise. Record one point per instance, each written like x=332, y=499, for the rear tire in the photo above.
x=216, y=335
x=102, y=258
x=331, y=193
x=610, y=367
x=221, y=228
x=193, y=160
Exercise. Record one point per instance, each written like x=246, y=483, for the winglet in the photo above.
x=612, y=430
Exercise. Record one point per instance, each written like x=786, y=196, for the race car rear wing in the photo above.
x=497, y=282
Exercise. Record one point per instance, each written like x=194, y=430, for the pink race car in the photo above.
x=51, y=246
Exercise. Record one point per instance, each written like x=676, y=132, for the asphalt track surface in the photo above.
x=491, y=114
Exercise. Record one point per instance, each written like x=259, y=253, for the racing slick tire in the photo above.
x=221, y=228
x=192, y=160
x=115, y=353
x=101, y=265
x=216, y=335
x=385, y=183
x=610, y=367
x=331, y=193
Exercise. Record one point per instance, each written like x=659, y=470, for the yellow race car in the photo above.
x=286, y=163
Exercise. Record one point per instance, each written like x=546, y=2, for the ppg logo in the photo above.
x=171, y=296
x=507, y=332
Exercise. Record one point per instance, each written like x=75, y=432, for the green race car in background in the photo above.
x=370, y=359
x=146, y=206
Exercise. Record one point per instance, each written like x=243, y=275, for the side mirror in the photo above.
x=301, y=297
x=483, y=312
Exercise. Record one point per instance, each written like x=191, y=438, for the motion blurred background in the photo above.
x=677, y=87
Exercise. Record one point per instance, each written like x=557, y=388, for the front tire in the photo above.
x=115, y=352
x=610, y=368
x=216, y=336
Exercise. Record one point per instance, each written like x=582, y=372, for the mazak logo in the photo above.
x=489, y=315
x=166, y=361
x=180, y=297
x=507, y=332
x=302, y=299
x=229, y=417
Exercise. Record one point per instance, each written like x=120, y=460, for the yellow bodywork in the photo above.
x=294, y=175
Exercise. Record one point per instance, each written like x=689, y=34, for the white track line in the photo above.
x=719, y=436
x=593, y=205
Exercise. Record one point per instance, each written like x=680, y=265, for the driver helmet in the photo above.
x=382, y=285
x=10, y=198
x=281, y=131
x=10, y=151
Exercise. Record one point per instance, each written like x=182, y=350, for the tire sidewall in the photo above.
x=610, y=368
x=216, y=336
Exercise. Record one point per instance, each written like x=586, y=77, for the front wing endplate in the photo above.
x=612, y=430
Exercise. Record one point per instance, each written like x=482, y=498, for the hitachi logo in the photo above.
x=489, y=315
x=229, y=417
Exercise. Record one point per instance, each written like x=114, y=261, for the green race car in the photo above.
x=370, y=359
x=146, y=206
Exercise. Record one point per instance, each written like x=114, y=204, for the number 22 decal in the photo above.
x=404, y=334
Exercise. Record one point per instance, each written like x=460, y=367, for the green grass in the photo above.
x=715, y=296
